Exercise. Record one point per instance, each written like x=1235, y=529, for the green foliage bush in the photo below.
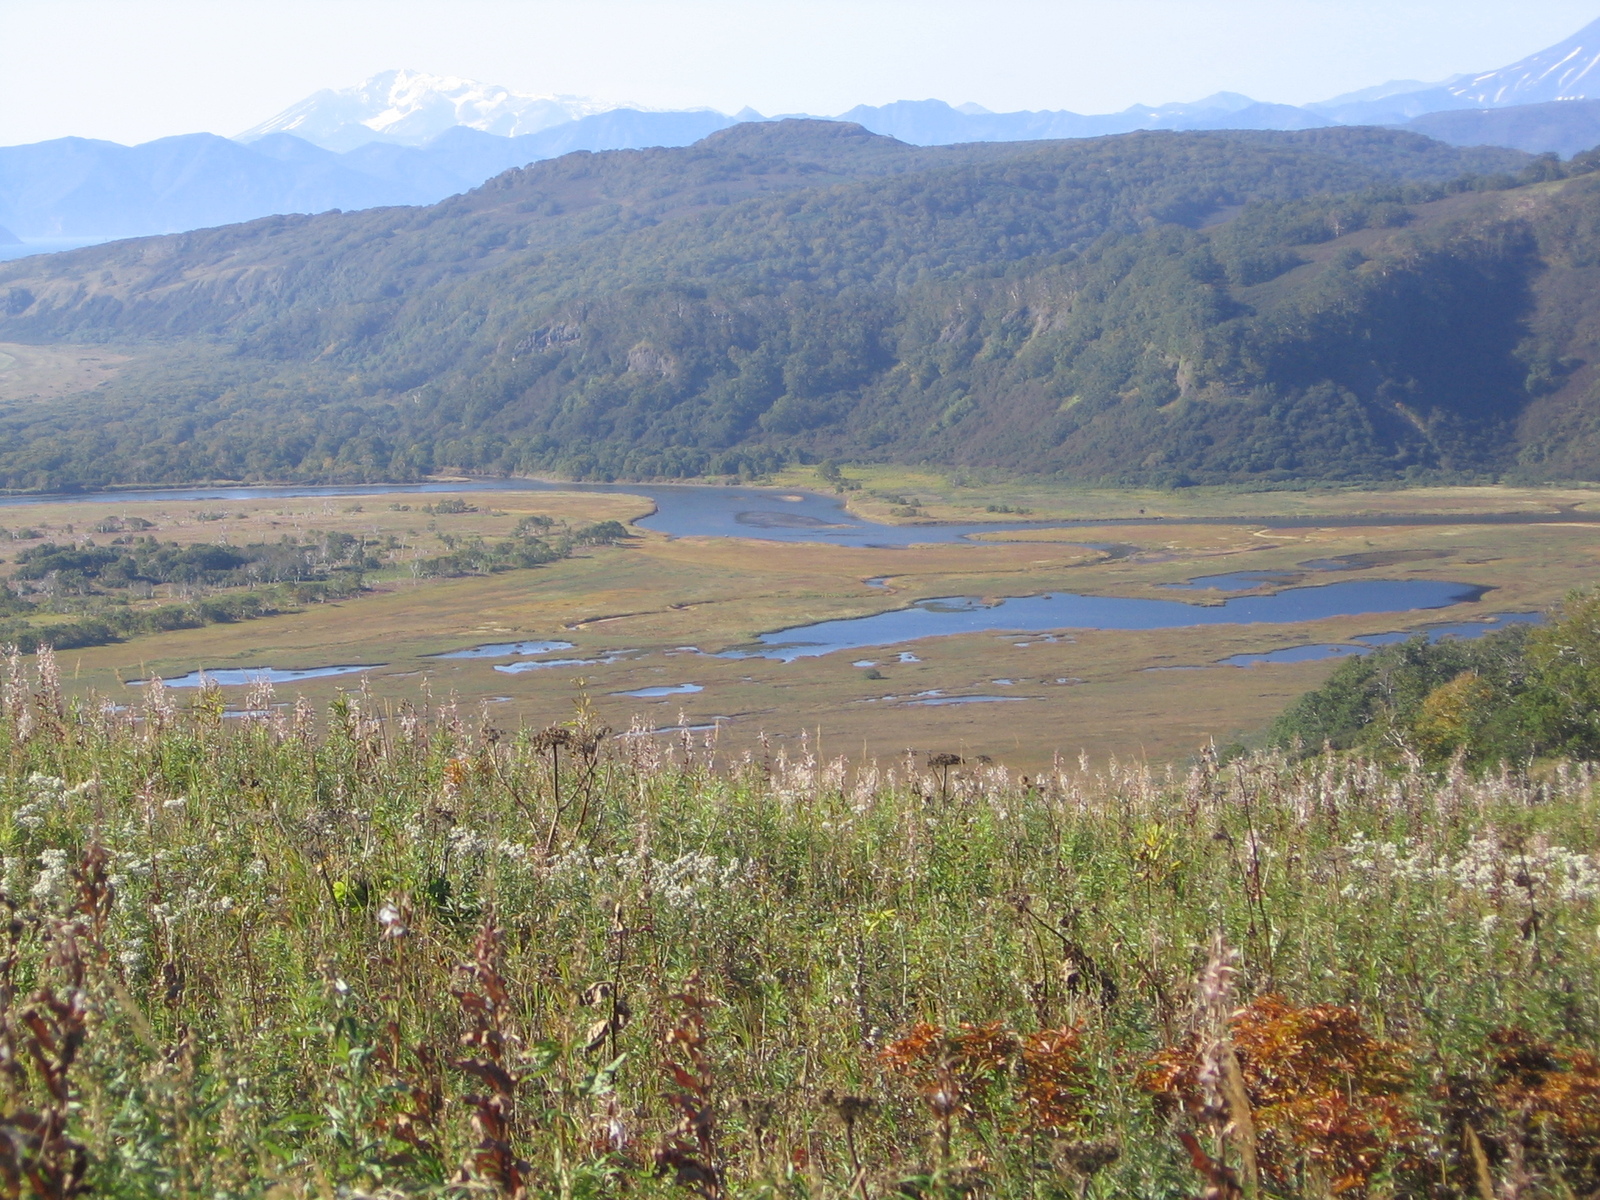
x=1513, y=696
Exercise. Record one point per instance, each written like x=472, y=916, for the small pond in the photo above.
x=651, y=693
x=244, y=676
x=507, y=650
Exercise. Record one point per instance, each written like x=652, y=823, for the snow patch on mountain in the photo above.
x=409, y=108
x=1569, y=70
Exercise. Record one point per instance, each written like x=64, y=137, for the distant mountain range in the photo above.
x=407, y=138
x=74, y=187
x=410, y=108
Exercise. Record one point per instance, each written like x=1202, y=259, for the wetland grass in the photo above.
x=407, y=953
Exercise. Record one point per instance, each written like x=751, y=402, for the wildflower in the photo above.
x=132, y=956
x=45, y=796
x=391, y=923
x=55, y=878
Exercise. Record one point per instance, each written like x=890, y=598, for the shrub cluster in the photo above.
x=1514, y=695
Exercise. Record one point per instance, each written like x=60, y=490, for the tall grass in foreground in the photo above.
x=417, y=955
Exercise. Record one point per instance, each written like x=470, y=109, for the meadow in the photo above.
x=360, y=954
x=652, y=612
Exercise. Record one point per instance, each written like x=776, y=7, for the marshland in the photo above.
x=680, y=592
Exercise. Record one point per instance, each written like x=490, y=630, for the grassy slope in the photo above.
x=248, y=1029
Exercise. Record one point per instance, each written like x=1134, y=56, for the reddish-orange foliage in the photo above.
x=1053, y=1079
x=953, y=1069
x=1323, y=1091
x=1553, y=1093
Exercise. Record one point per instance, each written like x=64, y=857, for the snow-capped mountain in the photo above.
x=405, y=137
x=1569, y=70
x=409, y=108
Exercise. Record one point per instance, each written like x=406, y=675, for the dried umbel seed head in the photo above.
x=848, y=1109
x=554, y=737
x=940, y=761
x=1086, y=1159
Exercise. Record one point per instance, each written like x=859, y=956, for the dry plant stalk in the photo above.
x=41, y=1038
x=850, y=1110
x=485, y=999
x=419, y=1098
x=690, y=1152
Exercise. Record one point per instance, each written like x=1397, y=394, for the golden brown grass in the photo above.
x=657, y=595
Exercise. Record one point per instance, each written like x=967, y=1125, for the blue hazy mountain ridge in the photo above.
x=935, y=123
x=1564, y=127
x=78, y=187
x=7, y=238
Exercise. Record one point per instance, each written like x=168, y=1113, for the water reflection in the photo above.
x=244, y=676
x=965, y=614
x=507, y=650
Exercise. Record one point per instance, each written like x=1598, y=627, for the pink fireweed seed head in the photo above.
x=1214, y=1006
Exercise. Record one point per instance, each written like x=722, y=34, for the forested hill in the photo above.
x=1333, y=304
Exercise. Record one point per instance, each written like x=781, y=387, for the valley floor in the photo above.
x=652, y=614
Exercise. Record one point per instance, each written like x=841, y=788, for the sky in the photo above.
x=133, y=70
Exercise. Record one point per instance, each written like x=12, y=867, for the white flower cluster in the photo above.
x=132, y=954
x=53, y=886
x=465, y=842
x=45, y=795
x=685, y=882
x=1487, y=867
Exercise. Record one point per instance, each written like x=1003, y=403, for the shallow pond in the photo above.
x=651, y=693
x=507, y=650
x=605, y=659
x=244, y=676
x=1066, y=610
x=1366, y=643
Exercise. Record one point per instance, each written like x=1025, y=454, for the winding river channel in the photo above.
x=710, y=510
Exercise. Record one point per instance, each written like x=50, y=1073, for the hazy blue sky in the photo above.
x=131, y=70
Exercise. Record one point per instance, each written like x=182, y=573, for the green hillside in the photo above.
x=1169, y=308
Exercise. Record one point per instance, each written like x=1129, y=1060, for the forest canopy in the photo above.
x=1337, y=305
